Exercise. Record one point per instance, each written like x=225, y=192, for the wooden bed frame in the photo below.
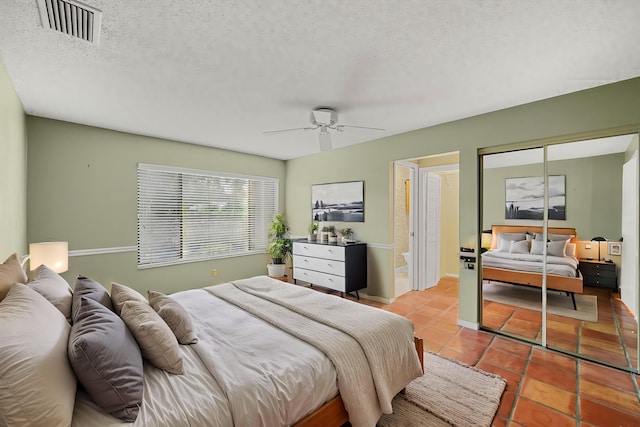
x=333, y=412
x=571, y=285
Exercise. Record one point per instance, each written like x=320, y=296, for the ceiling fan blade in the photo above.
x=325, y=141
x=341, y=128
x=274, y=132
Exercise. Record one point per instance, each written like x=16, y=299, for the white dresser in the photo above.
x=339, y=267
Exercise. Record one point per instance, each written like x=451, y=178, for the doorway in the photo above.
x=425, y=221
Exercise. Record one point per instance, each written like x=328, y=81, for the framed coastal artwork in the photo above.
x=524, y=198
x=338, y=202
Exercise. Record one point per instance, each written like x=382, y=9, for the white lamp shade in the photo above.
x=54, y=255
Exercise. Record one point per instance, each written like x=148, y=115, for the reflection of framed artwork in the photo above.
x=524, y=198
x=615, y=248
x=340, y=201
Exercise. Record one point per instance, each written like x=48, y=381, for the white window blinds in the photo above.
x=189, y=215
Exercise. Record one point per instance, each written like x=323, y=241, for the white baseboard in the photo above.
x=452, y=275
x=469, y=325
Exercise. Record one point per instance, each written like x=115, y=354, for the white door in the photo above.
x=429, y=267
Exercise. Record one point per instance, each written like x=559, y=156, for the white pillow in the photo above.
x=37, y=385
x=570, y=250
x=520, y=247
x=553, y=237
x=503, y=245
x=512, y=236
x=537, y=246
x=557, y=248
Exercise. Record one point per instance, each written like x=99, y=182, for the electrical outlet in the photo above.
x=587, y=246
x=214, y=272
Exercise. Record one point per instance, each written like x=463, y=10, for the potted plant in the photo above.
x=313, y=228
x=326, y=231
x=333, y=237
x=280, y=246
x=346, y=234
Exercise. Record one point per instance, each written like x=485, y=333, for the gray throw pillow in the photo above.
x=91, y=289
x=106, y=359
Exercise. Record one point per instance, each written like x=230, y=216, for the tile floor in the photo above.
x=612, y=338
x=544, y=388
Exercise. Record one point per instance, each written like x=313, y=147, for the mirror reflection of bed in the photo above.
x=602, y=327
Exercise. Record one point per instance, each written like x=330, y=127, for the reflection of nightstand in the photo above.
x=599, y=273
x=468, y=258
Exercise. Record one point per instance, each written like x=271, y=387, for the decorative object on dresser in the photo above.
x=341, y=267
x=279, y=245
x=313, y=229
x=615, y=248
x=600, y=274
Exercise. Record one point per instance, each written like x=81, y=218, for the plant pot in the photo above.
x=324, y=236
x=333, y=239
x=312, y=237
x=276, y=270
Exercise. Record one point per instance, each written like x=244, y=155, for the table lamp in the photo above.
x=598, y=239
x=55, y=255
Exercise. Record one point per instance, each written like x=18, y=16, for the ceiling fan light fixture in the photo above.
x=324, y=116
x=325, y=139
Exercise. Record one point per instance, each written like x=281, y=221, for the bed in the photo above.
x=266, y=353
x=515, y=257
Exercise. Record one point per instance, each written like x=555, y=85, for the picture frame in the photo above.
x=524, y=198
x=338, y=202
x=615, y=248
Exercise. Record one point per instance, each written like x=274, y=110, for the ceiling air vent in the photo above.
x=72, y=18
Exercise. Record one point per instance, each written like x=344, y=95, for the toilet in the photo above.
x=406, y=256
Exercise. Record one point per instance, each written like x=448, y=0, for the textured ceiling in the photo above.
x=220, y=73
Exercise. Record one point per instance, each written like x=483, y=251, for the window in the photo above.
x=189, y=215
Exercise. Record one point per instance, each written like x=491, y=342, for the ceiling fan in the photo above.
x=323, y=119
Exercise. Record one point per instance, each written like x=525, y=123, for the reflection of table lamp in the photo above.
x=598, y=239
x=487, y=237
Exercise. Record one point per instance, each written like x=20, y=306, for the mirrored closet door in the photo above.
x=581, y=237
x=512, y=197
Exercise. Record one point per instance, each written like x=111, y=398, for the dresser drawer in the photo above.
x=325, y=280
x=319, y=251
x=319, y=264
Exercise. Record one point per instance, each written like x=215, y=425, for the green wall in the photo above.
x=590, y=113
x=13, y=172
x=593, y=194
x=82, y=189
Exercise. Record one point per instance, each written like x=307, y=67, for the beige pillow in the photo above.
x=37, y=385
x=121, y=294
x=54, y=288
x=10, y=272
x=154, y=337
x=175, y=316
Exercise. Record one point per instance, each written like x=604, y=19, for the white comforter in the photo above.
x=246, y=372
x=561, y=266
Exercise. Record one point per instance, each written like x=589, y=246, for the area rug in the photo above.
x=449, y=393
x=531, y=298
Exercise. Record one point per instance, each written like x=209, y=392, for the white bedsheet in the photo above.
x=280, y=376
x=561, y=266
